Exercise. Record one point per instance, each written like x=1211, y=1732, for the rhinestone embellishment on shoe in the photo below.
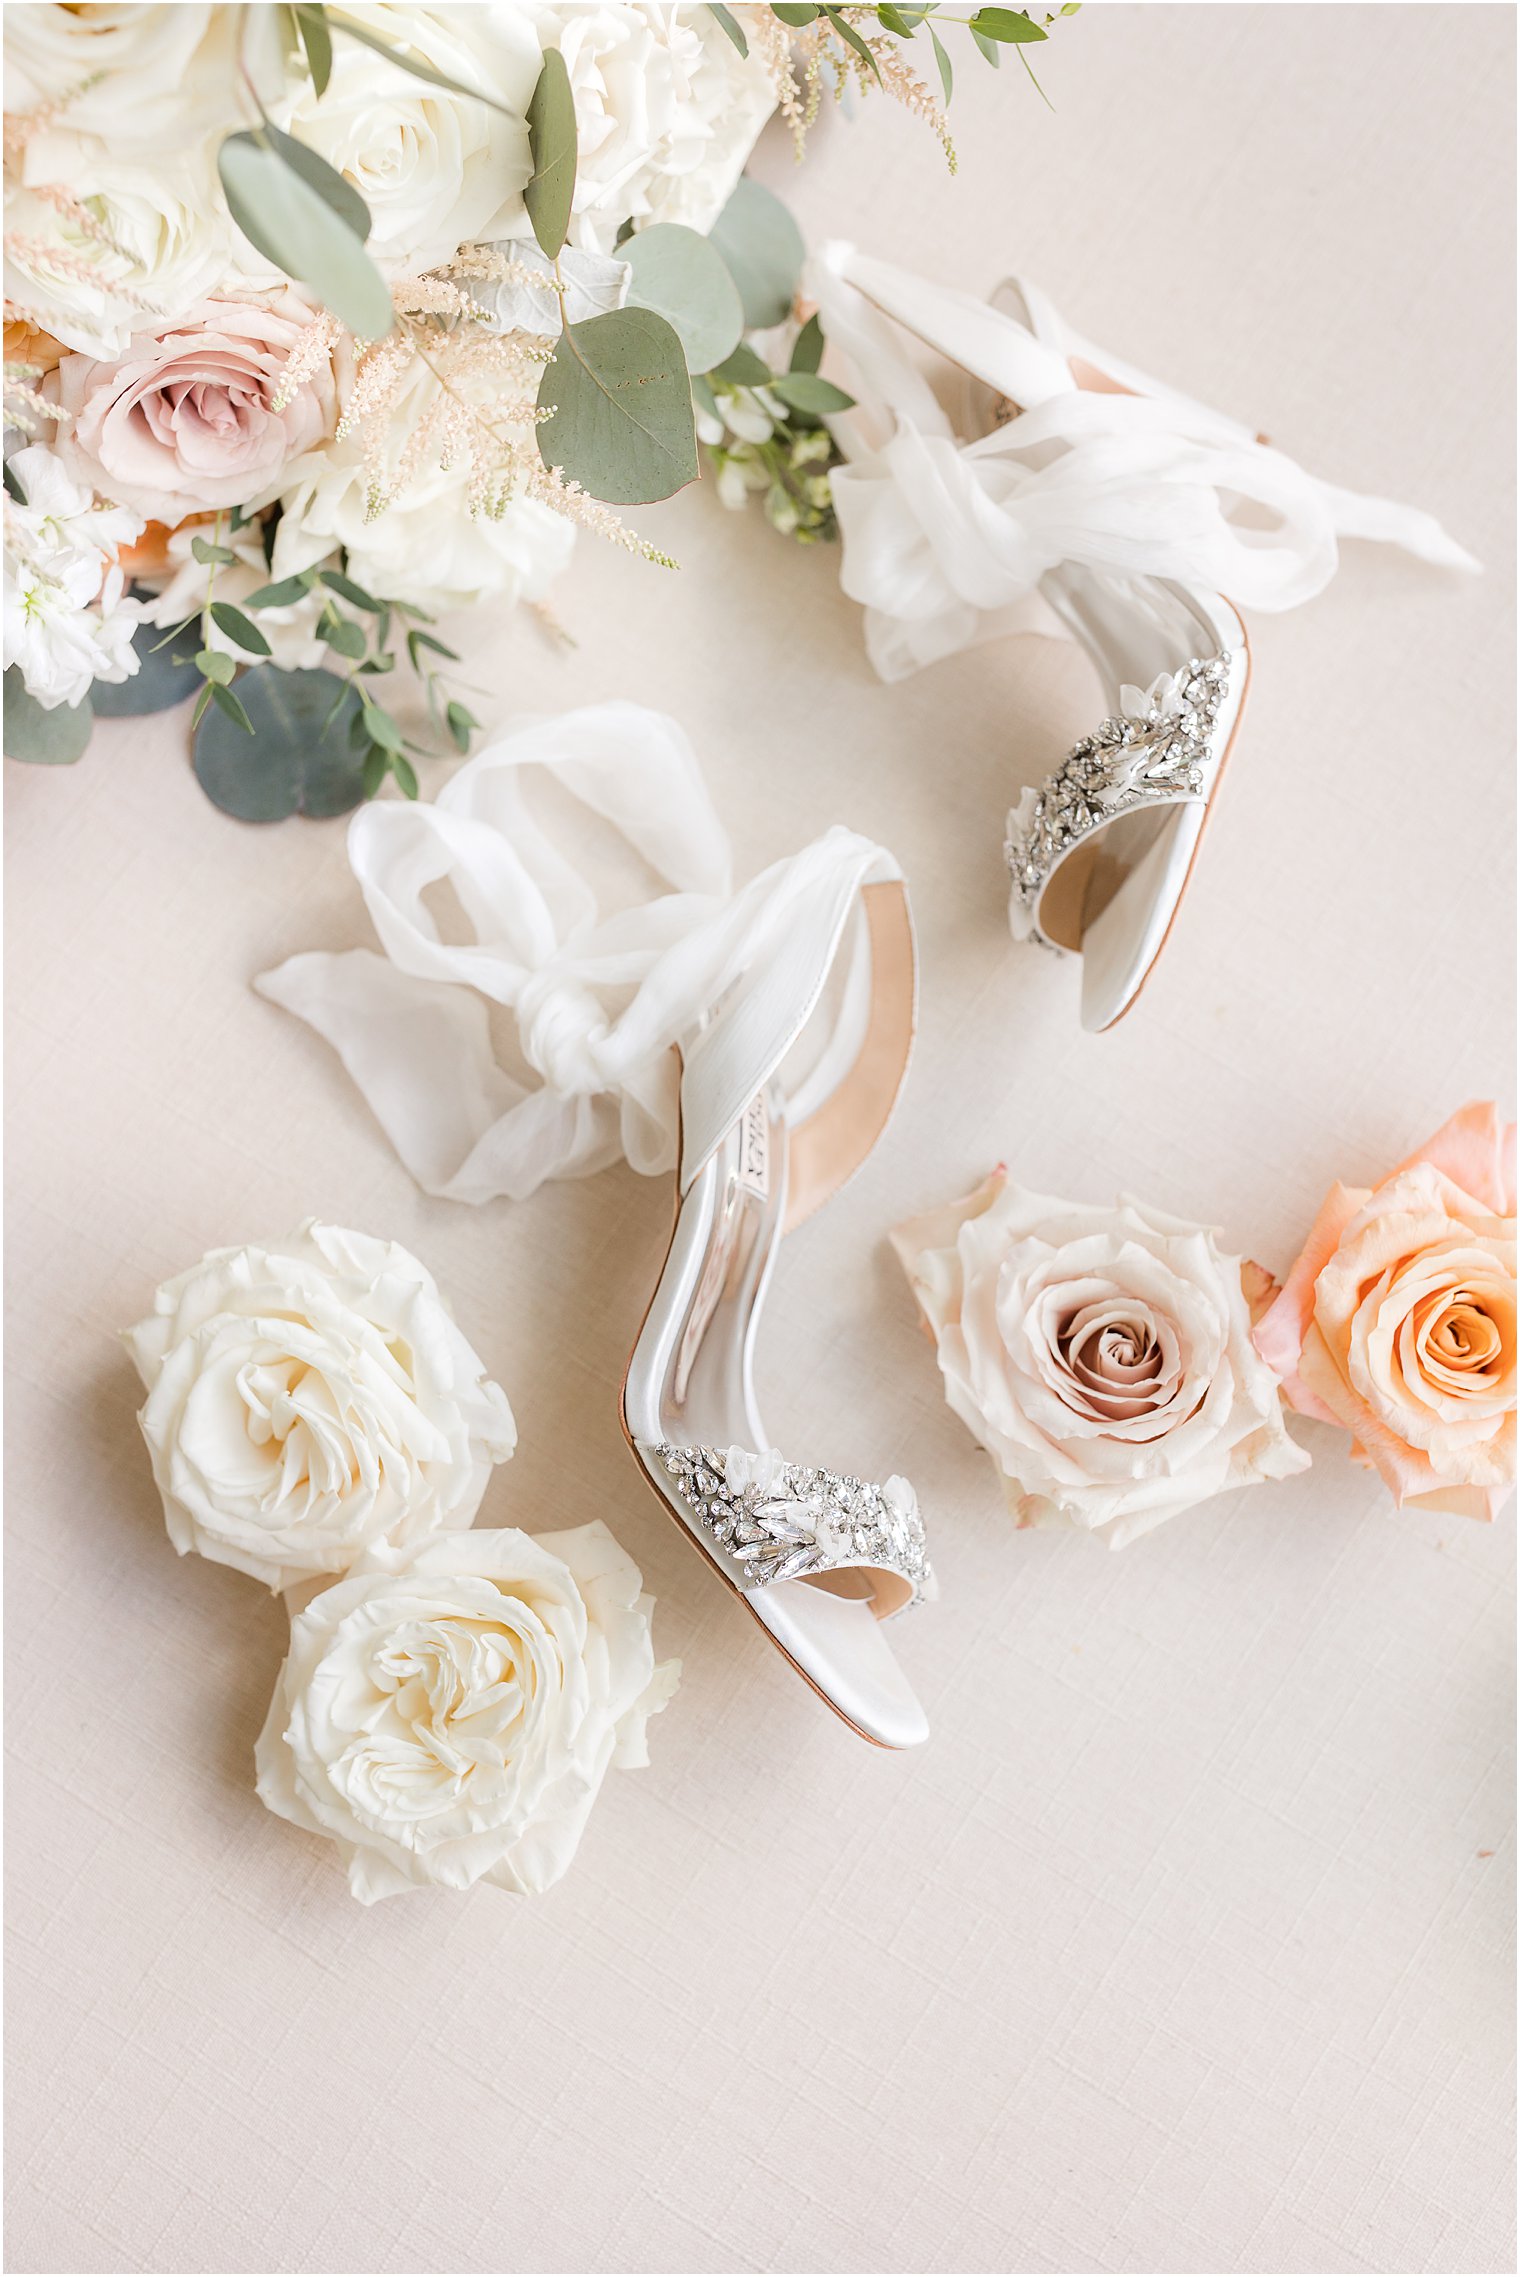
x=777, y=1521
x=1156, y=756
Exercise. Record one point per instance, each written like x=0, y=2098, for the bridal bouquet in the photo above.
x=322, y=319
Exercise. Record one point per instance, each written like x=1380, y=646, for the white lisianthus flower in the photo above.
x=436, y=169
x=449, y=1718
x=666, y=111
x=1103, y=1357
x=310, y=1400
x=67, y=619
x=291, y=630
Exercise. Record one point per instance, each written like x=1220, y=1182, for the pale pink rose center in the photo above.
x=1116, y=1361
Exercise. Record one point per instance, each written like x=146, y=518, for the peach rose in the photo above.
x=1398, y=1320
x=185, y=421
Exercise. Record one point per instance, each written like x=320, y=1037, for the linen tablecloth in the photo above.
x=1186, y=1943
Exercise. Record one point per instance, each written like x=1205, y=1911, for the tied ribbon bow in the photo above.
x=945, y=542
x=598, y=997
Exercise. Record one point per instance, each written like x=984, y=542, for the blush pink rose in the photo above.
x=1398, y=1320
x=186, y=421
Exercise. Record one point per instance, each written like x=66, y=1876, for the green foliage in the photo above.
x=729, y=23
x=762, y=248
x=619, y=400
x=301, y=214
x=293, y=756
x=550, y=190
x=683, y=278
x=53, y=738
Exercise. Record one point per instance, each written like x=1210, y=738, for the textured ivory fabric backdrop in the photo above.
x=1186, y=1943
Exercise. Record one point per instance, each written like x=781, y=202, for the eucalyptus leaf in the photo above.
x=743, y=368
x=303, y=229
x=946, y=74
x=281, y=594
x=846, y=31
x=807, y=391
x=796, y=14
x=382, y=729
x=621, y=420
x=316, y=39
x=298, y=760
x=679, y=275
x=226, y=702
x=237, y=627
x=215, y=664
x=53, y=738
x=336, y=582
x=202, y=550
x=405, y=774
x=729, y=23
x=1009, y=24
x=988, y=47
x=342, y=634
x=807, y=348
x=551, y=140
x=407, y=59
x=762, y=249
x=334, y=189
x=702, y=396
x=165, y=675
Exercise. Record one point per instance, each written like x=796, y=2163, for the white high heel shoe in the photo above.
x=784, y=1091
x=1071, y=493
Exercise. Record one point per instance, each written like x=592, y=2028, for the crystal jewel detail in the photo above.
x=780, y=1521
x=1158, y=756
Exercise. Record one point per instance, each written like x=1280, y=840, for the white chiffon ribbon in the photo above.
x=598, y=997
x=945, y=541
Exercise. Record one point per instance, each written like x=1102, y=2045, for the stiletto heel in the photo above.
x=785, y=1090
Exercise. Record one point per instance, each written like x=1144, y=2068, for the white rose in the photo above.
x=157, y=239
x=450, y=1720
x=436, y=169
x=1102, y=1357
x=310, y=1399
x=666, y=112
x=135, y=76
x=67, y=620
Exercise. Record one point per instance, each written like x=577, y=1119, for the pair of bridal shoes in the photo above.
x=1029, y=481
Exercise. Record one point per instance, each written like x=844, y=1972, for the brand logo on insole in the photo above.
x=755, y=1149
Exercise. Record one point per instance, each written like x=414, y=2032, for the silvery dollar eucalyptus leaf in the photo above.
x=680, y=276
x=762, y=249
x=299, y=759
x=53, y=738
x=622, y=423
x=594, y=283
x=302, y=215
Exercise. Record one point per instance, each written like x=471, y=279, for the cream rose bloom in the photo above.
x=450, y=1719
x=436, y=169
x=309, y=1400
x=1102, y=1357
x=145, y=75
x=666, y=112
x=158, y=239
x=1397, y=1321
x=186, y=420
